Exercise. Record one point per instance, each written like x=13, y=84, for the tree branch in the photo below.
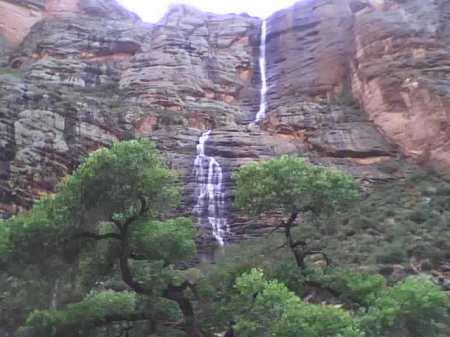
x=295, y=244
x=125, y=271
x=317, y=285
x=318, y=252
x=121, y=318
x=299, y=258
x=96, y=237
x=144, y=206
x=123, y=226
x=136, y=256
x=298, y=243
x=174, y=293
x=133, y=317
x=290, y=221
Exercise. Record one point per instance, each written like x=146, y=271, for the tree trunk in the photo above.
x=293, y=246
x=191, y=326
x=175, y=293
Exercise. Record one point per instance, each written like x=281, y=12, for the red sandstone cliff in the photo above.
x=391, y=56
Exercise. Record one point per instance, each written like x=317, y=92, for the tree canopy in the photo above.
x=104, y=255
x=109, y=218
x=415, y=305
x=268, y=308
x=113, y=186
x=293, y=186
x=289, y=184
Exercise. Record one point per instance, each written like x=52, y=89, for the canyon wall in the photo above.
x=361, y=85
x=390, y=57
x=401, y=74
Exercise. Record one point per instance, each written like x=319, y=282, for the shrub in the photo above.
x=357, y=286
x=415, y=305
x=267, y=308
x=393, y=252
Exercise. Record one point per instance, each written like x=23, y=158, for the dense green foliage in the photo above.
x=376, y=308
x=105, y=223
x=353, y=285
x=267, y=308
x=92, y=309
x=398, y=221
x=111, y=183
x=291, y=184
x=415, y=305
x=101, y=256
x=107, y=187
x=361, y=288
x=169, y=236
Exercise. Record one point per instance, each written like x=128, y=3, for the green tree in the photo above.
x=414, y=307
x=267, y=308
x=294, y=187
x=110, y=218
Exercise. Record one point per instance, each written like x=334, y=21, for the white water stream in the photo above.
x=210, y=206
x=263, y=71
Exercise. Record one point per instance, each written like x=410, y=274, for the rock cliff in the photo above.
x=362, y=85
x=401, y=75
x=390, y=57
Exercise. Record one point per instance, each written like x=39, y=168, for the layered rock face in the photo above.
x=390, y=57
x=401, y=74
x=80, y=74
x=77, y=82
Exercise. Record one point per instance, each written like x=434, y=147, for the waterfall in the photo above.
x=262, y=69
x=210, y=206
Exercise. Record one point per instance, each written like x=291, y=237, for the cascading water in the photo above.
x=262, y=68
x=210, y=207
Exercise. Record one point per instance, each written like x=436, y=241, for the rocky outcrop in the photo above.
x=390, y=57
x=309, y=51
x=310, y=101
x=18, y=16
x=77, y=82
x=80, y=74
x=17, y=19
x=401, y=74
